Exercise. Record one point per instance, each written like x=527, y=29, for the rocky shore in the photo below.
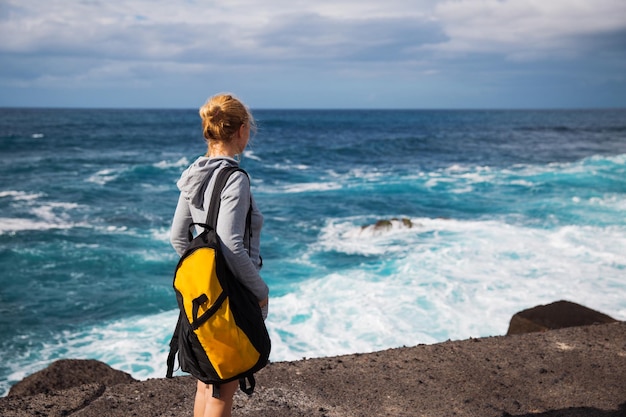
x=570, y=372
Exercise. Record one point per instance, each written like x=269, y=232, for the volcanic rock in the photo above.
x=556, y=315
x=69, y=373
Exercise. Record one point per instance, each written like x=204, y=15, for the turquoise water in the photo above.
x=509, y=209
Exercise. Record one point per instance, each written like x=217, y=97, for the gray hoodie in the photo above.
x=195, y=195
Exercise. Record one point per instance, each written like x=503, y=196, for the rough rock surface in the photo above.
x=557, y=315
x=571, y=372
x=68, y=373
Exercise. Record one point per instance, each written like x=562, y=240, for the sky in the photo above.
x=423, y=54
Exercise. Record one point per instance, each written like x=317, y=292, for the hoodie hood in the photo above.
x=195, y=179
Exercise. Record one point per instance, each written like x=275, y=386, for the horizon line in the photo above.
x=253, y=109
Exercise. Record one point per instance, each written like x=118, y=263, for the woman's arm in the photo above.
x=179, y=235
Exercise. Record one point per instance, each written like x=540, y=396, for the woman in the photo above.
x=226, y=125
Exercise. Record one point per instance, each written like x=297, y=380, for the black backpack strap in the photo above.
x=249, y=221
x=244, y=386
x=220, y=183
x=215, y=392
x=173, y=348
x=214, y=205
x=196, y=303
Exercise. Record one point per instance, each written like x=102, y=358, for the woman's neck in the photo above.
x=217, y=149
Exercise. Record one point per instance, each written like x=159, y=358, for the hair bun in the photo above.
x=222, y=115
x=215, y=114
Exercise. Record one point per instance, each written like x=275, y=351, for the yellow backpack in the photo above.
x=220, y=335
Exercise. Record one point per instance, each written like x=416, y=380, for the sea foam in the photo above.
x=42, y=215
x=443, y=279
x=136, y=345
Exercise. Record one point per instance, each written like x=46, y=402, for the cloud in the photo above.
x=205, y=31
x=528, y=29
x=463, y=44
x=315, y=37
x=99, y=39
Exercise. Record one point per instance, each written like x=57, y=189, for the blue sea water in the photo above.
x=508, y=209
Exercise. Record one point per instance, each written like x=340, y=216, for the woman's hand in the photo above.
x=264, y=307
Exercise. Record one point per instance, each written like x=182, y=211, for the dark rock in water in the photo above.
x=385, y=224
x=68, y=373
x=557, y=315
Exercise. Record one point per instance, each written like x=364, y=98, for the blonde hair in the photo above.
x=222, y=115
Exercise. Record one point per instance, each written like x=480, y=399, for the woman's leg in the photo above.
x=220, y=407
x=200, y=403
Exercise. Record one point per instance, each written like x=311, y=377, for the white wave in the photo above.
x=589, y=164
x=251, y=155
x=345, y=313
x=329, y=181
x=469, y=171
x=182, y=162
x=20, y=195
x=162, y=234
x=523, y=183
x=105, y=175
x=457, y=183
x=48, y=211
x=459, y=179
x=311, y=186
x=463, y=177
x=157, y=255
x=613, y=201
x=615, y=159
x=368, y=175
x=435, y=180
x=289, y=166
x=455, y=179
x=297, y=187
x=343, y=236
x=137, y=345
x=46, y=216
x=37, y=135
x=115, y=229
x=444, y=279
x=12, y=225
x=462, y=190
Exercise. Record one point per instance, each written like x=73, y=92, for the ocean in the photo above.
x=481, y=214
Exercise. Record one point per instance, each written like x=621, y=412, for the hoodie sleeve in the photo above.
x=231, y=225
x=179, y=237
